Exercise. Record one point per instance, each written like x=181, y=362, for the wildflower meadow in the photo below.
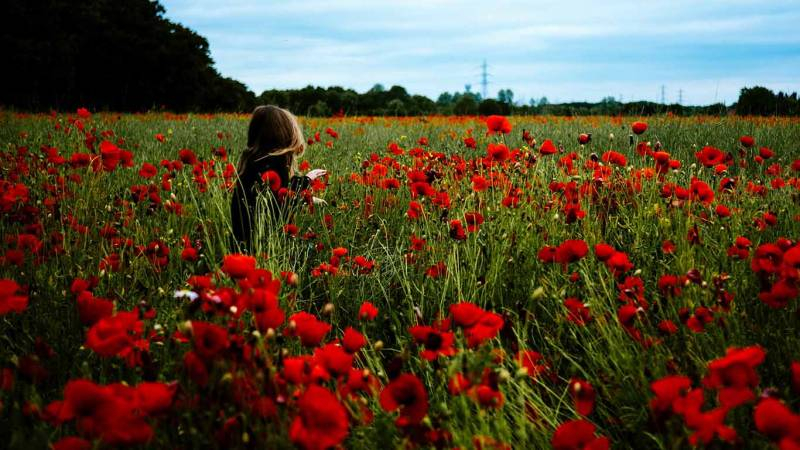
x=471, y=282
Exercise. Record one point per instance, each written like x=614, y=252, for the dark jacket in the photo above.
x=245, y=193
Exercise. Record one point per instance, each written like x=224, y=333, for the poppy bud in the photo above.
x=503, y=376
x=378, y=346
x=270, y=334
x=537, y=293
x=185, y=327
x=327, y=309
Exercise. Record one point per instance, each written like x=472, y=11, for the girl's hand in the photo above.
x=316, y=173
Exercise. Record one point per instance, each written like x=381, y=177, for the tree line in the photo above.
x=126, y=56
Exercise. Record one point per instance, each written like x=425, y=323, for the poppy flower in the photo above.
x=321, y=420
x=434, y=342
x=578, y=435
x=533, y=362
x=334, y=359
x=91, y=309
x=11, y=299
x=570, y=251
x=474, y=221
x=498, y=124
x=72, y=443
x=710, y=156
x=584, y=138
x=638, y=127
x=148, y=170
x=479, y=183
x=308, y=328
x=547, y=147
x=352, y=340
x=367, y=311
x=497, y=152
x=238, y=266
x=615, y=158
x=470, y=142
x=457, y=230
x=583, y=395
x=578, y=312
x=668, y=390
x=734, y=375
x=747, y=141
x=407, y=394
x=115, y=335
x=209, y=340
x=272, y=179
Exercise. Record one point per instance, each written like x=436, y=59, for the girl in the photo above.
x=274, y=142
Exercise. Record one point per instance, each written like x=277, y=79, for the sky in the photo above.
x=702, y=51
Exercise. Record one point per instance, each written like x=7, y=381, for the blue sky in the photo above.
x=564, y=50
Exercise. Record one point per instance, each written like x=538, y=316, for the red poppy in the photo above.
x=352, y=340
x=238, y=266
x=434, y=342
x=734, y=375
x=578, y=311
x=91, y=309
x=474, y=221
x=795, y=376
x=583, y=395
x=612, y=157
x=668, y=391
x=308, y=328
x=321, y=420
x=747, y=141
x=497, y=152
x=533, y=362
x=570, y=251
x=367, y=311
x=209, y=340
x=710, y=156
x=115, y=335
x=148, y=170
x=548, y=148
x=272, y=179
x=498, y=124
x=11, y=299
x=578, y=435
x=406, y=393
x=479, y=183
x=638, y=127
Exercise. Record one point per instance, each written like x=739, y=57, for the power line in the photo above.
x=484, y=80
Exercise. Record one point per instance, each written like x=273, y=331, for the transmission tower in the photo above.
x=680, y=96
x=484, y=80
x=663, y=100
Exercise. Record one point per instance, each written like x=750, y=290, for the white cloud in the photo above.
x=563, y=49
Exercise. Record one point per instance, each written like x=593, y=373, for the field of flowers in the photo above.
x=489, y=283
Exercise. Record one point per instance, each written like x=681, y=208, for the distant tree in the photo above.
x=377, y=88
x=466, y=105
x=543, y=101
x=105, y=54
x=445, y=99
x=505, y=96
x=490, y=106
x=757, y=100
x=319, y=109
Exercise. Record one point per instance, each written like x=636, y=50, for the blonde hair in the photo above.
x=273, y=131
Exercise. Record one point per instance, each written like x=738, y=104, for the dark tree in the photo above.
x=108, y=54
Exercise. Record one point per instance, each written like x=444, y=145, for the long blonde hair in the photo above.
x=273, y=131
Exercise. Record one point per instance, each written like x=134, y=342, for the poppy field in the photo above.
x=472, y=282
